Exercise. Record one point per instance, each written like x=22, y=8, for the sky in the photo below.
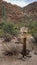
x=21, y=3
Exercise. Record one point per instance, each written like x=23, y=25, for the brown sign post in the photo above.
x=24, y=31
x=24, y=44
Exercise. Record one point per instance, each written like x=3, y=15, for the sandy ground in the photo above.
x=12, y=60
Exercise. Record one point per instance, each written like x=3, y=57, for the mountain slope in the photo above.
x=31, y=11
x=31, y=8
x=17, y=14
x=12, y=12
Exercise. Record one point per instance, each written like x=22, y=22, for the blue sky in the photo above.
x=20, y=3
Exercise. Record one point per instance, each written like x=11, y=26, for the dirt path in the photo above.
x=11, y=60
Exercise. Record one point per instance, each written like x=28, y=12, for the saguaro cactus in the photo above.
x=3, y=11
x=0, y=8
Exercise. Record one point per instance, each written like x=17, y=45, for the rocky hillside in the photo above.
x=31, y=11
x=13, y=12
x=17, y=14
x=31, y=8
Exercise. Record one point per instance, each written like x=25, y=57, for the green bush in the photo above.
x=9, y=27
x=33, y=27
x=1, y=33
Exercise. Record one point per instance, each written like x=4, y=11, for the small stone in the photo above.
x=29, y=56
x=35, y=53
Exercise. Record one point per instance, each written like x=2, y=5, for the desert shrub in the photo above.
x=1, y=33
x=9, y=27
x=7, y=37
x=33, y=27
x=1, y=24
x=35, y=37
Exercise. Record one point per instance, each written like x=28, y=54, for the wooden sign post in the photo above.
x=24, y=44
x=24, y=31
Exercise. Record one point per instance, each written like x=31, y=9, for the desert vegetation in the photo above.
x=9, y=28
x=6, y=27
x=17, y=44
